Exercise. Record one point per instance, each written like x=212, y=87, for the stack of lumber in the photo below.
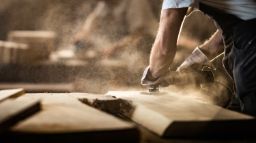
x=40, y=43
x=12, y=53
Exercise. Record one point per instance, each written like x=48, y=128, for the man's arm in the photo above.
x=164, y=47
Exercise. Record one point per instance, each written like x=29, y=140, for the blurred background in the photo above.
x=84, y=45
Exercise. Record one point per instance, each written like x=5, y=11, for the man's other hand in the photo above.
x=196, y=58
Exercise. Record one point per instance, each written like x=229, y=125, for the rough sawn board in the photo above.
x=171, y=115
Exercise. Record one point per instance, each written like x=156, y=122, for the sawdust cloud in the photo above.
x=66, y=17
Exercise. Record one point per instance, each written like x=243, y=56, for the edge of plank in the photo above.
x=11, y=93
x=24, y=111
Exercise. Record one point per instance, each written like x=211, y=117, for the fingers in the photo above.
x=163, y=81
x=149, y=82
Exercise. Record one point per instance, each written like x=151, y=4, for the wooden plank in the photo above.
x=170, y=115
x=11, y=93
x=13, y=111
x=116, y=106
x=65, y=119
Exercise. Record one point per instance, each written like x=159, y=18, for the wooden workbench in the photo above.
x=158, y=118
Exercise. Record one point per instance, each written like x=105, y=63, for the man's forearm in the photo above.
x=164, y=47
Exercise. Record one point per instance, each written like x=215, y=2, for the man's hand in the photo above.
x=208, y=50
x=149, y=81
x=196, y=58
